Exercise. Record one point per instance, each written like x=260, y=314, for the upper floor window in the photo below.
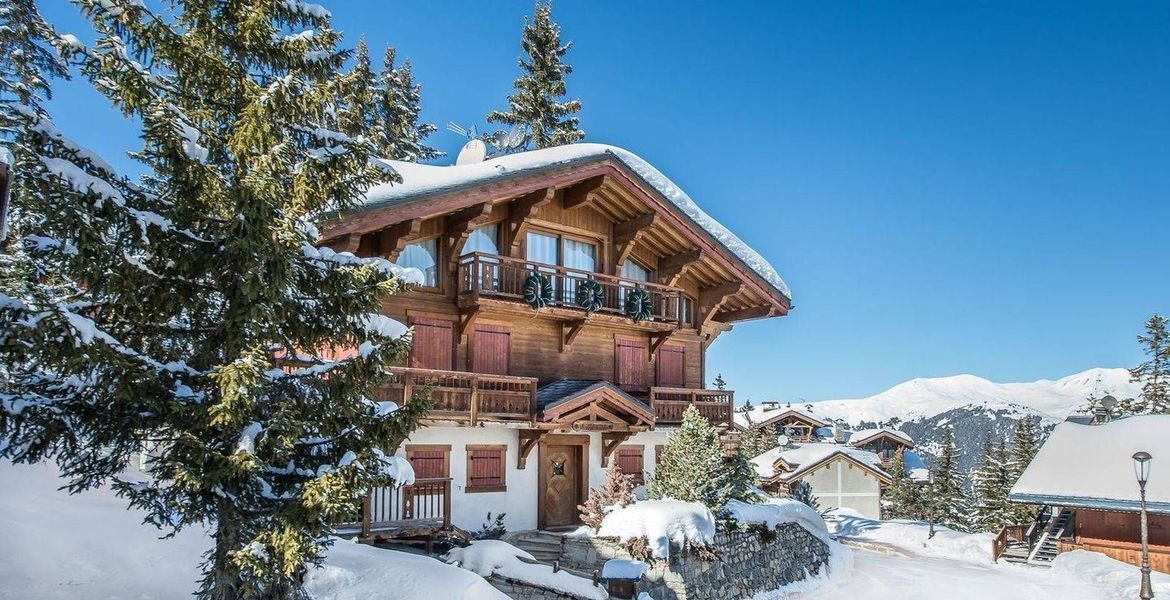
x=543, y=248
x=632, y=270
x=484, y=239
x=424, y=256
x=580, y=255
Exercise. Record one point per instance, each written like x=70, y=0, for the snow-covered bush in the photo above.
x=661, y=524
x=495, y=557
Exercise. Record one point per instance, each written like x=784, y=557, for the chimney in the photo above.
x=838, y=432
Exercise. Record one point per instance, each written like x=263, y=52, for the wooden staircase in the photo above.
x=1046, y=547
x=544, y=546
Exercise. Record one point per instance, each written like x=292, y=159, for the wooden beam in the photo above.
x=743, y=314
x=656, y=342
x=528, y=440
x=582, y=193
x=627, y=230
x=459, y=226
x=518, y=212
x=671, y=268
x=393, y=239
x=569, y=332
x=711, y=297
x=466, y=322
x=622, y=252
x=345, y=243
x=610, y=443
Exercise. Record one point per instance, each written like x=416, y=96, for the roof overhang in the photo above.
x=599, y=407
x=811, y=420
x=376, y=216
x=797, y=472
x=893, y=437
x=1090, y=503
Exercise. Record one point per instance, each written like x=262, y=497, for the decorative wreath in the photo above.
x=639, y=306
x=538, y=291
x=590, y=295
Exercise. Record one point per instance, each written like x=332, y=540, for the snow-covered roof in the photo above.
x=1092, y=466
x=916, y=468
x=862, y=436
x=420, y=181
x=761, y=414
x=806, y=456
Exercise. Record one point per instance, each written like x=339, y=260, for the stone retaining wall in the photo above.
x=520, y=590
x=746, y=564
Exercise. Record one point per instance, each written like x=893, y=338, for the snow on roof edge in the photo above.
x=434, y=179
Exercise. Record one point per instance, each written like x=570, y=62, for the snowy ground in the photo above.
x=894, y=560
x=90, y=547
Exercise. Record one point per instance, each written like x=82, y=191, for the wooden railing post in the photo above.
x=366, y=516
x=474, y=400
x=407, y=388
x=447, y=504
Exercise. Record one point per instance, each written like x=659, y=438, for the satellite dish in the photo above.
x=1109, y=403
x=474, y=151
x=782, y=440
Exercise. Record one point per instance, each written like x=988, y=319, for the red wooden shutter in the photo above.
x=485, y=468
x=630, y=461
x=433, y=345
x=672, y=361
x=491, y=349
x=429, y=463
x=630, y=359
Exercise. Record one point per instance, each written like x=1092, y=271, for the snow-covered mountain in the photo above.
x=972, y=407
x=929, y=397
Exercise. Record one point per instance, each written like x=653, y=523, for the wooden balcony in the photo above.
x=466, y=397
x=669, y=403
x=500, y=277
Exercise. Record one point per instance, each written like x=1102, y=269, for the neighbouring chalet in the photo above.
x=797, y=424
x=634, y=282
x=1083, y=478
x=840, y=475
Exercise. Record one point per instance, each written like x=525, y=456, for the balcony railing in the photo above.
x=669, y=403
x=423, y=505
x=464, y=396
x=491, y=276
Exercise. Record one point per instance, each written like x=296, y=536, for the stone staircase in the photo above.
x=544, y=546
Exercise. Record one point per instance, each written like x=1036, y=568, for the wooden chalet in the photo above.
x=635, y=283
x=839, y=476
x=884, y=442
x=799, y=426
x=1082, y=480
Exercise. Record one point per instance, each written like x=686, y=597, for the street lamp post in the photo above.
x=1141, y=466
x=927, y=487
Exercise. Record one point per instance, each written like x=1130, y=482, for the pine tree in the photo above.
x=536, y=103
x=1024, y=446
x=398, y=109
x=991, y=483
x=802, y=492
x=693, y=467
x=618, y=491
x=163, y=307
x=757, y=440
x=1154, y=374
x=902, y=499
x=947, y=500
x=720, y=384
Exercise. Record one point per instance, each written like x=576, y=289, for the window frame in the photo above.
x=444, y=448
x=502, y=486
x=639, y=478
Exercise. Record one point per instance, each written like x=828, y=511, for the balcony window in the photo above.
x=543, y=248
x=484, y=239
x=423, y=256
x=632, y=270
x=580, y=255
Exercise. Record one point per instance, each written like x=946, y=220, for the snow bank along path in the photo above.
x=495, y=557
x=89, y=546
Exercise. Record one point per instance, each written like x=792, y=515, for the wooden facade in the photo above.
x=487, y=356
x=1118, y=535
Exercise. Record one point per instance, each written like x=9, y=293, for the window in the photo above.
x=430, y=461
x=631, y=358
x=485, y=468
x=632, y=270
x=580, y=255
x=543, y=248
x=686, y=310
x=484, y=239
x=423, y=256
x=432, y=345
x=630, y=462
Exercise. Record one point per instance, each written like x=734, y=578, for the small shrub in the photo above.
x=492, y=529
x=618, y=491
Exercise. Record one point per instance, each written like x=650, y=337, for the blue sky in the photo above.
x=948, y=189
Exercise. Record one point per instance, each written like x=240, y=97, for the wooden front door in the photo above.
x=560, y=484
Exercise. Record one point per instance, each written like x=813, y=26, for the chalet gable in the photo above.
x=647, y=215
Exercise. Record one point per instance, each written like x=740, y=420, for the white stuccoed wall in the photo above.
x=843, y=484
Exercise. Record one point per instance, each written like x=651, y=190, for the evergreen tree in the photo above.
x=618, y=491
x=160, y=310
x=802, y=492
x=693, y=466
x=991, y=483
x=1024, y=446
x=720, y=384
x=757, y=440
x=403, y=136
x=1154, y=374
x=902, y=499
x=947, y=500
x=536, y=104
